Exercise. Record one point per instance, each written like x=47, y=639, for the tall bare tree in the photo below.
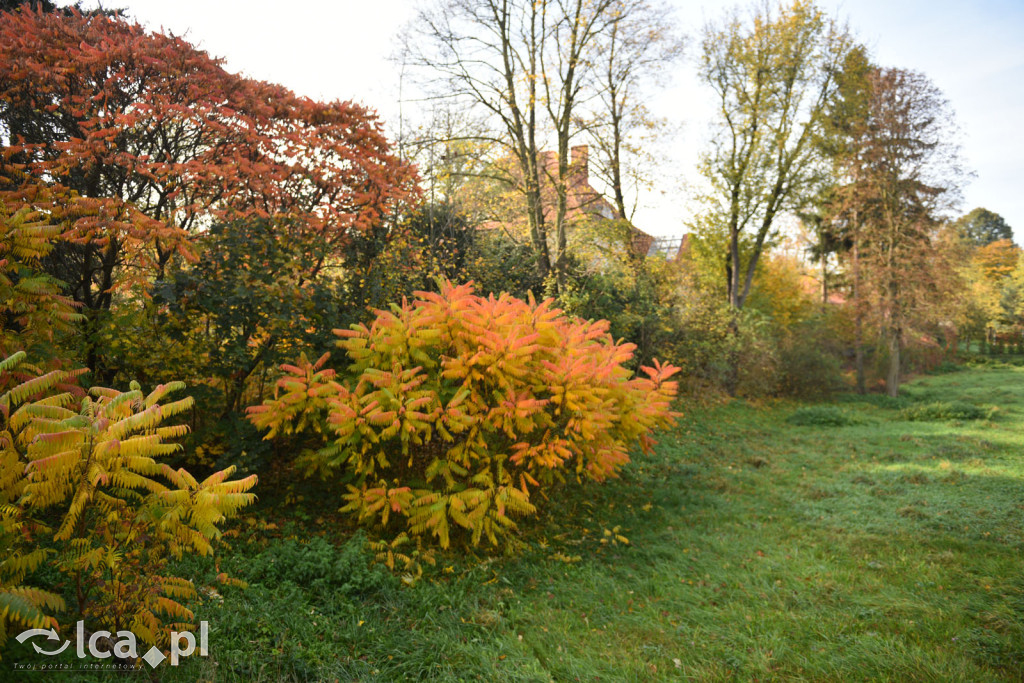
x=638, y=48
x=486, y=54
x=534, y=67
x=575, y=26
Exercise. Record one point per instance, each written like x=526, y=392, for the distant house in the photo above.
x=672, y=248
x=584, y=204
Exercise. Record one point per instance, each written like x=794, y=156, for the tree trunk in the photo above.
x=538, y=231
x=732, y=366
x=733, y=269
x=892, y=382
x=824, y=279
x=858, y=321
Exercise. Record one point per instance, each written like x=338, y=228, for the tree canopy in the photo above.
x=153, y=141
x=981, y=227
x=773, y=74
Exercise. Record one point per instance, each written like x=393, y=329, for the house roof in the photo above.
x=671, y=247
x=582, y=200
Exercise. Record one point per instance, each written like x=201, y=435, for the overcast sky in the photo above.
x=972, y=50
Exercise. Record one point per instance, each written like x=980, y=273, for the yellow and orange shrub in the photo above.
x=455, y=409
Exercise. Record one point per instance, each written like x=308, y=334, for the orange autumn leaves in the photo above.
x=454, y=410
x=144, y=141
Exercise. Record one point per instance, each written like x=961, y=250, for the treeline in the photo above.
x=824, y=252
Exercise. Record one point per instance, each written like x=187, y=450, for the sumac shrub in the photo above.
x=84, y=492
x=454, y=410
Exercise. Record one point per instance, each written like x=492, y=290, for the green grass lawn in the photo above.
x=834, y=542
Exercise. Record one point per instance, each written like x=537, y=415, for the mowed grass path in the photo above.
x=885, y=549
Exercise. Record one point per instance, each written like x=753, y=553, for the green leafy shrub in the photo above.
x=808, y=367
x=639, y=297
x=717, y=346
x=320, y=566
x=946, y=367
x=917, y=393
x=822, y=416
x=752, y=357
x=940, y=411
x=454, y=409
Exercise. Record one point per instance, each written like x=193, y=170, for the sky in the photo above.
x=342, y=49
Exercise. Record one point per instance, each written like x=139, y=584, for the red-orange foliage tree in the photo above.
x=157, y=141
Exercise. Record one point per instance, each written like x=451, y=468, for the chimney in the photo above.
x=548, y=164
x=581, y=170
